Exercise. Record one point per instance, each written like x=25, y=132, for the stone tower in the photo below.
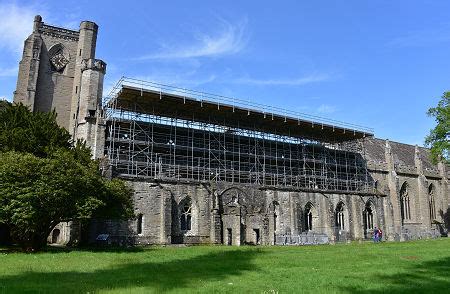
x=58, y=71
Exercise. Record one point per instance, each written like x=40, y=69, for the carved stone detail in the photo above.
x=94, y=64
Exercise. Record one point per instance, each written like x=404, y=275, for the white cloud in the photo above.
x=229, y=39
x=15, y=25
x=284, y=82
x=326, y=109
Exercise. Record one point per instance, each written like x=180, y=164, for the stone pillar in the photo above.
x=216, y=237
x=29, y=67
x=444, y=195
x=268, y=234
x=216, y=221
x=392, y=226
x=85, y=51
x=422, y=209
x=166, y=217
x=90, y=123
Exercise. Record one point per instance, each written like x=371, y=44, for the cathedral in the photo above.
x=209, y=169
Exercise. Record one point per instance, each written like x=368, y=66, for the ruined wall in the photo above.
x=246, y=214
x=237, y=214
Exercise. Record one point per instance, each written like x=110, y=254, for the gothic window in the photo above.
x=368, y=219
x=309, y=217
x=432, y=206
x=186, y=215
x=404, y=202
x=340, y=222
x=139, y=224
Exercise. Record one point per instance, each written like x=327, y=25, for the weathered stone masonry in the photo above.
x=210, y=171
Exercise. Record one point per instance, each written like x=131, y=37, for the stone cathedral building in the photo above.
x=216, y=170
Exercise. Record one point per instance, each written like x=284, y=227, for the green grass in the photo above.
x=421, y=266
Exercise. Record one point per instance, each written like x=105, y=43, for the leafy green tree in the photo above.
x=34, y=132
x=45, y=179
x=439, y=138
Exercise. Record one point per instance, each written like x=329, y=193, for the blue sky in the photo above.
x=381, y=64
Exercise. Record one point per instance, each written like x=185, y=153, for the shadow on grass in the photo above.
x=427, y=277
x=99, y=249
x=66, y=249
x=155, y=276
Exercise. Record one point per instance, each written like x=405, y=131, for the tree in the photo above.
x=439, y=138
x=34, y=132
x=52, y=181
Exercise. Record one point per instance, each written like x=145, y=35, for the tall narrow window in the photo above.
x=368, y=219
x=186, y=215
x=404, y=202
x=340, y=222
x=139, y=224
x=431, y=202
x=309, y=217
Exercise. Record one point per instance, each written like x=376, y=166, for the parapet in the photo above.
x=94, y=64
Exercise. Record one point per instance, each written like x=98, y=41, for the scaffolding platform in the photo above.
x=164, y=132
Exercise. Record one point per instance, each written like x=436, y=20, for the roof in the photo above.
x=192, y=105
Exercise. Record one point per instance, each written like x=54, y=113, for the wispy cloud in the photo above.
x=313, y=78
x=8, y=72
x=176, y=79
x=228, y=39
x=15, y=25
x=326, y=109
x=424, y=37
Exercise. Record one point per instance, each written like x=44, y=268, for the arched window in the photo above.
x=139, y=224
x=368, y=219
x=309, y=216
x=186, y=215
x=404, y=202
x=340, y=222
x=432, y=206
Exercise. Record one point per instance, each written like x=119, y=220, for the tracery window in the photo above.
x=340, y=222
x=309, y=217
x=404, y=202
x=186, y=215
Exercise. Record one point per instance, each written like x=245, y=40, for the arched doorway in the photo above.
x=233, y=213
x=55, y=235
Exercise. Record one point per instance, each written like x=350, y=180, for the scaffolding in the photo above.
x=167, y=133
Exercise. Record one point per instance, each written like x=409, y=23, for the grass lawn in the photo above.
x=420, y=266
